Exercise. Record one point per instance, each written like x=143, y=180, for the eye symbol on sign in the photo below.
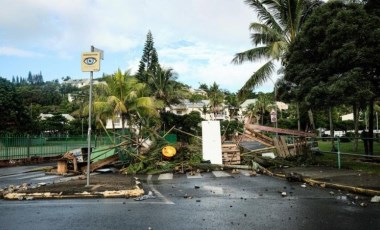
x=89, y=61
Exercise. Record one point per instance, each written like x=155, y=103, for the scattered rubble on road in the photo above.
x=150, y=195
x=375, y=199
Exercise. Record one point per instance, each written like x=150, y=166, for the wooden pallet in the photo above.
x=231, y=154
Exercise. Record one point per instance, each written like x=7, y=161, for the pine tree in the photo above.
x=149, y=60
x=30, y=78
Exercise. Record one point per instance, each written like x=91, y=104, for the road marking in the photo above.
x=15, y=175
x=156, y=192
x=165, y=176
x=195, y=176
x=30, y=176
x=45, y=178
x=220, y=174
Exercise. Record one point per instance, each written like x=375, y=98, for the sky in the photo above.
x=196, y=38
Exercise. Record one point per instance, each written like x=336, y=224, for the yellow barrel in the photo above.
x=168, y=151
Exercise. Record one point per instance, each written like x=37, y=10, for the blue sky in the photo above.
x=197, y=38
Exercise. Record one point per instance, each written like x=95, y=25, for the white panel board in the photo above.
x=212, y=142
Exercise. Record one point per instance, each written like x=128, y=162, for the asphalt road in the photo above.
x=210, y=202
x=23, y=174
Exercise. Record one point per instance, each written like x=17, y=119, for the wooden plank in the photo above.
x=278, y=148
x=231, y=151
x=228, y=145
x=258, y=140
x=252, y=128
x=285, y=146
x=101, y=163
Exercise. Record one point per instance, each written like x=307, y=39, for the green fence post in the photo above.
x=41, y=145
x=67, y=140
x=338, y=153
x=7, y=146
x=28, y=145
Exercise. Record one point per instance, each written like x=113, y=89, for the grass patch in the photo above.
x=348, y=147
x=348, y=162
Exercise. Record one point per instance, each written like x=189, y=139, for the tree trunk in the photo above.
x=311, y=118
x=356, y=125
x=298, y=117
x=370, y=126
x=333, y=149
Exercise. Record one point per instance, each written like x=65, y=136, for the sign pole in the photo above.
x=89, y=127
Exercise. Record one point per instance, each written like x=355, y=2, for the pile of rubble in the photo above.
x=19, y=189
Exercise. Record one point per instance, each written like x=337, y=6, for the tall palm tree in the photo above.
x=216, y=97
x=263, y=104
x=165, y=88
x=279, y=23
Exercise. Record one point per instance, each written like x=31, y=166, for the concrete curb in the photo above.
x=127, y=193
x=137, y=191
x=322, y=184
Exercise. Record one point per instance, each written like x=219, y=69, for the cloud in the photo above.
x=11, y=51
x=196, y=38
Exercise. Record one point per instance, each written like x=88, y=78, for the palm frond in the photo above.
x=263, y=10
x=251, y=55
x=257, y=79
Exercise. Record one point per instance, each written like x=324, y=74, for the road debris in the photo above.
x=375, y=199
x=150, y=195
x=294, y=177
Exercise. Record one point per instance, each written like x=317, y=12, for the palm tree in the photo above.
x=280, y=22
x=263, y=104
x=216, y=97
x=165, y=88
x=252, y=113
x=122, y=97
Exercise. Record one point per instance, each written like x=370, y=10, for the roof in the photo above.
x=248, y=102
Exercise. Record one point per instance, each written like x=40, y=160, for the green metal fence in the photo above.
x=25, y=146
x=343, y=147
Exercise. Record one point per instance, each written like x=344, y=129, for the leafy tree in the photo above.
x=188, y=123
x=280, y=23
x=232, y=103
x=335, y=58
x=57, y=124
x=13, y=114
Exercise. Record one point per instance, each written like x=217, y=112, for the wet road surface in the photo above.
x=213, y=201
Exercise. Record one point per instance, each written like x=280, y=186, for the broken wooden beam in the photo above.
x=101, y=163
x=252, y=127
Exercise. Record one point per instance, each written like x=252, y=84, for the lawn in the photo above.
x=347, y=161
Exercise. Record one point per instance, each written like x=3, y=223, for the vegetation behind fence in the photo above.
x=20, y=147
